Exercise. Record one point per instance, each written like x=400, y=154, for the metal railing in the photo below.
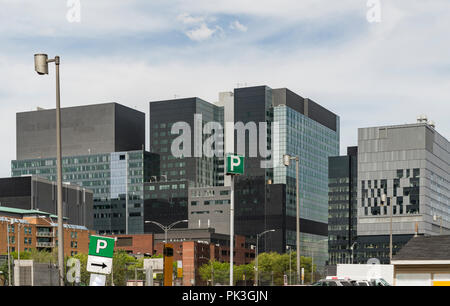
x=45, y=244
x=44, y=234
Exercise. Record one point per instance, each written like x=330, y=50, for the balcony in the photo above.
x=45, y=244
x=44, y=234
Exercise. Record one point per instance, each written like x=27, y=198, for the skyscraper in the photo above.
x=266, y=197
x=103, y=150
x=167, y=199
x=342, y=209
x=410, y=165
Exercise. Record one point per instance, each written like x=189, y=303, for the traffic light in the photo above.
x=168, y=264
x=168, y=251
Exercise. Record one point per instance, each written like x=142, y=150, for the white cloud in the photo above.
x=189, y=20
x=201, y=33
x=236, y=25
x=387, y=74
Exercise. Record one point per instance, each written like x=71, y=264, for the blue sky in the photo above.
x=135, y=51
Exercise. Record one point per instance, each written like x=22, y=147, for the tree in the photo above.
x=219, y=272
x=273, y=266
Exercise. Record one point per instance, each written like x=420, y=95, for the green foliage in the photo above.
x=219, y=272
x=37, y=256
x=4, y=273
x=273, y=267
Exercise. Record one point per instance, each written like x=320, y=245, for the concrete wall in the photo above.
x=211, y=215
x=91, y=129
x=35, y=274
x=384, y=150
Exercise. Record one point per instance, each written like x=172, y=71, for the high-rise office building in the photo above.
x=167, y=199
x=409, y=164
x=93, y=138
x=342, y=207
x=89, y=129
x=265, y=198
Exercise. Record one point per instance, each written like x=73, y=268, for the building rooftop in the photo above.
x=425, y=248
x=25, y=212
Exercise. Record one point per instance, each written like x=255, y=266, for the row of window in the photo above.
x=211, y=202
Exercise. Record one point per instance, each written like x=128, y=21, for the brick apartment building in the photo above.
x=34, y=229
x=194, y=247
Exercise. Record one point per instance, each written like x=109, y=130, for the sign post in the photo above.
x=100, y=255
x=234, y=166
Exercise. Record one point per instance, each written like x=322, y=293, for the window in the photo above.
x=399, y=173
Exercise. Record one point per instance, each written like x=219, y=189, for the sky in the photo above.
x=371, y=62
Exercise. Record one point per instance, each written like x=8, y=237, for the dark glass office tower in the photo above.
x=111, y=177
x=103, y=150
x=342, y=209
x=167, y=194
x=265, y=198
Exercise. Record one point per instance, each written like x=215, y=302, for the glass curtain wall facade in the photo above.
x=168, y=202
x=111, y=177
x=313, y=143
x=343, y=211
x=306, y=130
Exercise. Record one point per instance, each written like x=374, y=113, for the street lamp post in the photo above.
x=286, y=161
x=166, y=228
x=257, y=249
x=41, y=66
x=290, y=269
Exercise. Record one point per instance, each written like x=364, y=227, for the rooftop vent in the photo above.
x=422, y=119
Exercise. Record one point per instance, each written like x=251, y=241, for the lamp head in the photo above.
x=41, y=63
x=286, y=160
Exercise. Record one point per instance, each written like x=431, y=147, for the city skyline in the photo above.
x=139, y=52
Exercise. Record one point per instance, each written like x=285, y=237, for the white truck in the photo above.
x=368, y=272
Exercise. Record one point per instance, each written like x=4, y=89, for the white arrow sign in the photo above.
x=97, y=264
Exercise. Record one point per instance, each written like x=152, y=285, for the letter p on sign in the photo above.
x=101, y=244
x=235, y=164
x=235, y=161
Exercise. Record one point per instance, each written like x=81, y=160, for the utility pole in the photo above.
x=41, y=66
x=286, y=160
x=232, y=231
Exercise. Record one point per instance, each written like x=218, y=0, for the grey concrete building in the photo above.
x=410, y=165
x=209, y=207
x=90, y=129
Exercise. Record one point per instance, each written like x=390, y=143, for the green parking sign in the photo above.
x=235, y=164
x=101, y=246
